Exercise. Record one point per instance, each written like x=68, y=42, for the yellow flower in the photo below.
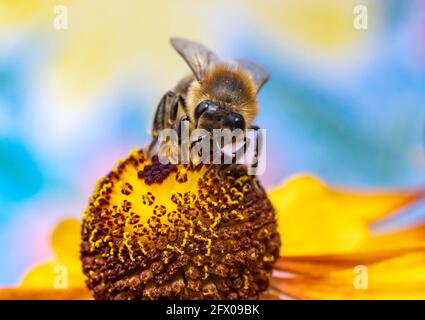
x=163, y=231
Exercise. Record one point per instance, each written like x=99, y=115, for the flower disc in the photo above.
x=154, y=231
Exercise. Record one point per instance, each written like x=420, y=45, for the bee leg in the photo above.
x=212, y=164
x=200, y=153
x=255, y=184
x=256, y=149
x=158, y=124
x=183, y=122
x=158, y=119
x=176, y=102
x=191, y=146
x=213, y=159
x=225, y=168
x=180, y=126
x=165, y=117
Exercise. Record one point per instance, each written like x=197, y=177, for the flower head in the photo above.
x=155, y=231
x=168, y=253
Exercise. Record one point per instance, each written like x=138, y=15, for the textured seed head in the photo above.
x=154, y=231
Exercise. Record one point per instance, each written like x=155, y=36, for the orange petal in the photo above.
x=323, y=264
x=317, y=219
x=81, y=293
x=269, y=295
x=383, y=274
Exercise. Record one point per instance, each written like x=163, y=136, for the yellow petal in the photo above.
x=398, y=239
x=66, y=270
x=66, y=239
x=54, y=275
x=317, y=219
x=391, y=274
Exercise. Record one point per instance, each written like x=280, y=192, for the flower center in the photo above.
x=154, y=231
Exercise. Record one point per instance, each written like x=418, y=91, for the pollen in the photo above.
x=162, y=231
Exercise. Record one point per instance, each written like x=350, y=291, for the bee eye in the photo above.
x=239, y=122
x=200, y=109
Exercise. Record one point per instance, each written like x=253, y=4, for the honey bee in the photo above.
x=216, y=95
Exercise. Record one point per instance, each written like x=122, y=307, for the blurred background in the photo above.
x=346, y=105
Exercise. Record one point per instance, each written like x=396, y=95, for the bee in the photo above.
x=216, y=95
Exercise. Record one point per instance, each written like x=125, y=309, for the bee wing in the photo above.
x=198, y=57
x=257, y=72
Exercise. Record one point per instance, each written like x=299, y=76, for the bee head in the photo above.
x=225, y=98
x=230, y=90
x=209, y=116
